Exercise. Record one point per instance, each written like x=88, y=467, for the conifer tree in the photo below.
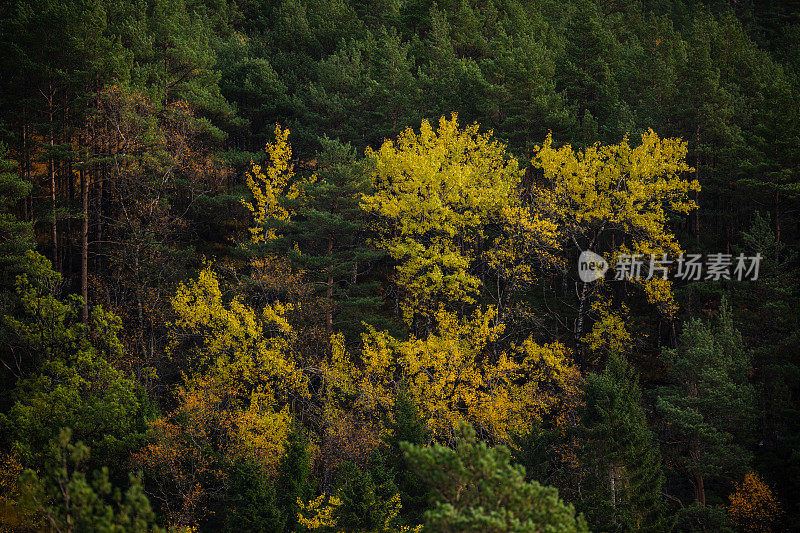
x=476, y=488
x=708, y=408
x=770, y=322
x=368, y=496
x=17, y=235
x=407, y=426
x=622, y=464
x=327, y=239
x=65, y=498
x=251, y=503
x=294, y=482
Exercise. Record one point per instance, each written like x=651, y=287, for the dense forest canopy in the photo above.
x=313, y=265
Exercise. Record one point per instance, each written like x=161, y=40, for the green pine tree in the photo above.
x=622, y=464
x=17, y=235
x=66, y=499
x=708, y=409
x=328, y=240
x=294, y=481
x=770, y=322
x=407, y=426
x=476, y=488
x=368, y=498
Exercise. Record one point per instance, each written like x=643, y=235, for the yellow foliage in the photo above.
x=436, y=192
x=13, y=515
x=530, y=235
x=453, y=378
x=753, y=507
x=320, y=515
x=269, y=185
x=241, y=348
x=624, y=190
x=609, y=333
x=240, y=378
x=620, y=185
x=317, y=514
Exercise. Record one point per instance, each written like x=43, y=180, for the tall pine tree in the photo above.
x=708, y=409
x=623, y=475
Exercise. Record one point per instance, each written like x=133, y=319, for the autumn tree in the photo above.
x=239, y=377
x=616, y=199
x=437, y=194
x=753, y=506
x=453, y=377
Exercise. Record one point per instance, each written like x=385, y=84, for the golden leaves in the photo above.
x=623, y=191
x=435, y=192
x=620, y=185
x=270, y=185
x=753, y=507
x=453, y=377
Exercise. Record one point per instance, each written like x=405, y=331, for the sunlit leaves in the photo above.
x=621, y=194
x=453, y=377
x=269, y=184
x=436, y=193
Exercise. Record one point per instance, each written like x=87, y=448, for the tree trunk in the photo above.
x=699, y=489
x=329, y=292
x=85, y=241
x=613, y=486
x=579, y=323
x=53, y=223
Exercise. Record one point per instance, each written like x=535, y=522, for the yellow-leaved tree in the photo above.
x=453, y=376
x=445, y=199
x=271, y=185
x=239, y=377
x=613, y=200
x=753, y=507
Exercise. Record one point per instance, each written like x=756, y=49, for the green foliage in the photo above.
x=770, y=323
x=328, y=240
x=368, y=496
x=251, y=502
x=67, y=377
x=66, y=499
x=86, y=393
x=17, y=235
x=698, y=517
x=408, y=426
x=126, y=130
x=294, y=482
x=476, y=488
x=709, y=408
x=621, y=463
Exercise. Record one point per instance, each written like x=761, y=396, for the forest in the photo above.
x=399, y=266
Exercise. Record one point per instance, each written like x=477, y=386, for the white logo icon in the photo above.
x=591, y=266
